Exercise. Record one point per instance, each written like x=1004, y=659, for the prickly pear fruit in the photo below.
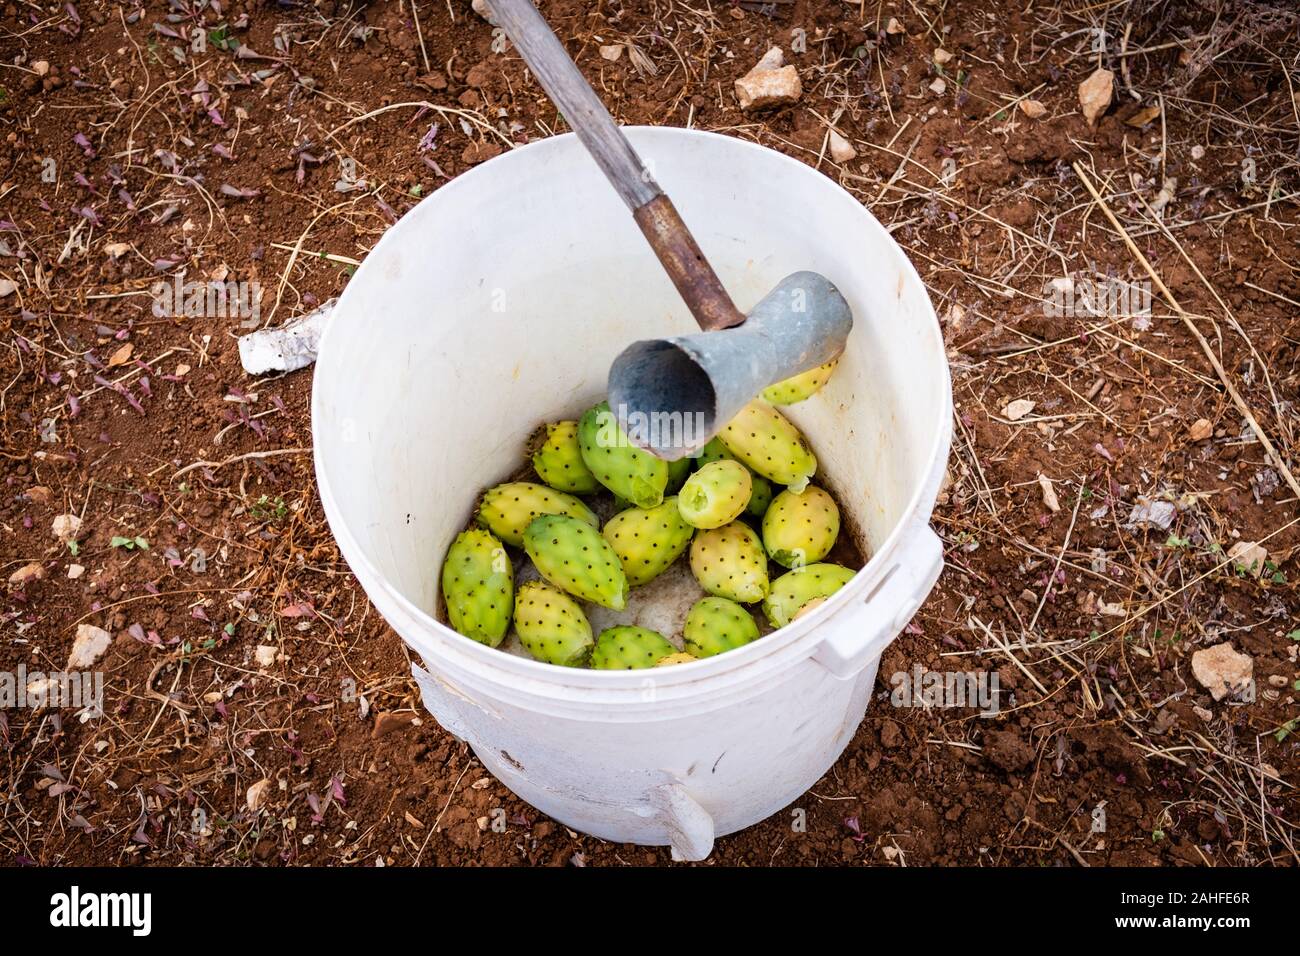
x=801, y=529
x=760, y=497
x=648, y=540
x=627, y=471
x=729, y=562
x=801, y=386
x=573, y=556
x=715, y=625
x=716, y=494
x=678, y=472
x=763, y=438
x=551, y=625
x=713, y=451
x=628, y=648
x=507, y=509
x=681, y=657
x=794, y=589
x=478, y=586
x=558, y=461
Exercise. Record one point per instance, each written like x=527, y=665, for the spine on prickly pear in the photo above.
x=506, y=510
x=558, y=460
x=716, y=494
x=716, y=624
x=551, y=625
x=573, y=556
x=794, y=589
x=629, y=648
x=729, y=562
x=648, y=540
x=801, y=386
x=766, y=441
x=801, y=529
x=627, y=471
x=478, y=587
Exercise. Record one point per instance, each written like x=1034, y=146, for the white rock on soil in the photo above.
x=1221, y=670
x=1033, y=109
x=1095, y=94
x=66, y=527
x=612, y=52
x=1049, y=493
x=1018, y=409
x=841, y=149
x=1201, y=429
x=769, y=83
x=75, y=571
x=88, y=647
x=1249, y=556
x=265, y=655
x=27, y=574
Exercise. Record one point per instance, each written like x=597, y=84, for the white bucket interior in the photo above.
x=500, y=301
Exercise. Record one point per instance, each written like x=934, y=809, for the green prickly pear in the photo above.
x=716, y=494
x=729, y=562
x=551, y=625
x=716, y=624
x=801, y=529
x=478, y=586
x=507, y=509
x=628, y=648
x=713, y=451
x=558, y=461
x=761, y=494
x=648, y=540
x=629, y=472
x=794, y=589
x=763, y=438
x=760, y=497
x=801, y=386
x=573, y=556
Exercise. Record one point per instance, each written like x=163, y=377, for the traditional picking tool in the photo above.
x=671, y=395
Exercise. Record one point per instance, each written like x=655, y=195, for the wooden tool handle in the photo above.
x=586, y=115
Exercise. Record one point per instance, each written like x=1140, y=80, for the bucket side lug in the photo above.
x=859, y=633
x=688, y=825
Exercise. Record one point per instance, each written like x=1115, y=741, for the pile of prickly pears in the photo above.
x=754, y=528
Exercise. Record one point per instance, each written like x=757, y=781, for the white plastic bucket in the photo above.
x=497, y=304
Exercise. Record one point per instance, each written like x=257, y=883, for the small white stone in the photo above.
x=66, y=527
x=769, y=83
x=75, y=571
x=265, y=655
x=841, y=149
x=1222, y=670
x=88, y=646
x=1018, y=409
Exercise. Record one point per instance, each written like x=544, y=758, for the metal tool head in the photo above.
x=672, y=395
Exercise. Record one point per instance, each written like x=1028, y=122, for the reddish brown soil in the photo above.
x=144, y=133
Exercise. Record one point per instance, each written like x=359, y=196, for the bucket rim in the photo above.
x=492, y=663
